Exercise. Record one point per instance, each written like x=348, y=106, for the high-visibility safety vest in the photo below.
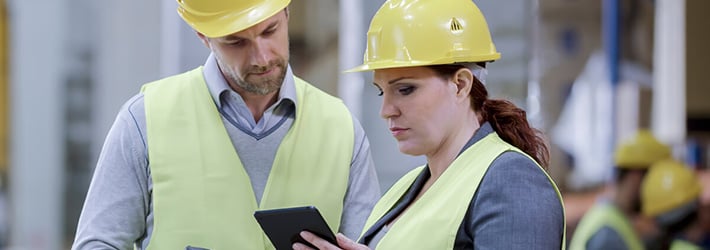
x=203, y=197
x=684, y=245
x=432, y=222
x=599, y=216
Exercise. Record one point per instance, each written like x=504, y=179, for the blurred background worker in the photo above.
x=670, y=194
x=608, y=224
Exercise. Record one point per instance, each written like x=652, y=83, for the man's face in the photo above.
x=254, y=59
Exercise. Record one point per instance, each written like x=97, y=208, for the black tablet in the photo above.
x=283, y=225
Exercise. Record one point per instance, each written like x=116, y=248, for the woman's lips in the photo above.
x=396, y=131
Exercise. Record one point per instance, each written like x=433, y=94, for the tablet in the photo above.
x=283, y=225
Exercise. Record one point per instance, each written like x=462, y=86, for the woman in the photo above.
x=483, y=186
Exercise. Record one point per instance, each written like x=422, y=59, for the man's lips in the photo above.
x=261, y=73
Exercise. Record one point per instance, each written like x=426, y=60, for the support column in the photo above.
x=351, y=48
x=669, y=78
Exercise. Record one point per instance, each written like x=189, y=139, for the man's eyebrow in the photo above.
x=272, y=25
x=232, y=38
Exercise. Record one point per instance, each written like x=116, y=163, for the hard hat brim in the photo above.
x=219, y=25
x=404, y=64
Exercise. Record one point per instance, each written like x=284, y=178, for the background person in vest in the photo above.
x=609, y=223
x=670, y=194
x=190, y=158
x=483, y=186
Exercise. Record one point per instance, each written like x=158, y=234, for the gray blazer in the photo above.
x=515, y=206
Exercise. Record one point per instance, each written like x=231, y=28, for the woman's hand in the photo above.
x=344, y=242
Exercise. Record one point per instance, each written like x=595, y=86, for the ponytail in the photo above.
x=508, y=120
x=512, y=126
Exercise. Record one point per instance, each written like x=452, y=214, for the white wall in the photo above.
x=137, y=46
x=38, y=43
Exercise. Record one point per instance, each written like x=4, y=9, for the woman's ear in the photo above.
x=463, y=78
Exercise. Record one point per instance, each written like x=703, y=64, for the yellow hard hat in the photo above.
x=640, y=151
x=217, y=18
x=405, y=33
x=668, y=185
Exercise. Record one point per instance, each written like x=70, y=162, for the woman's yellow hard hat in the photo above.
x=217, y=18
x=405, y=33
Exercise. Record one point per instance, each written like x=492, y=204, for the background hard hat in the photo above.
x=217, y=18
x=668, y=185
x=405, y=33
x=641, y=151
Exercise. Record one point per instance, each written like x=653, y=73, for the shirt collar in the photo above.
x=218, y=85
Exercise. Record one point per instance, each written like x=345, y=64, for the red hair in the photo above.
x=509, y=121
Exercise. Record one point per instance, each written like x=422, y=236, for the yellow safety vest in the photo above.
x=596, y=218
x=432, y=222
x=683, y=245
x=202, y=196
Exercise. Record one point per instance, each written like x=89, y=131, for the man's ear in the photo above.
x=463, y=78
x=204, y=39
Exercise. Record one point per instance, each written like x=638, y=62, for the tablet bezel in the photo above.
x=283, y=225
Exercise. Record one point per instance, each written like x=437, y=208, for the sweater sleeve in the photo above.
x=118, y=200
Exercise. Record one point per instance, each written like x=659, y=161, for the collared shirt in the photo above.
x=233, y=106
x=118, y=210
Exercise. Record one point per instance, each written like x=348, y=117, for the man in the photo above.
x=190, y=158
x=670, y=194
x=608, y=224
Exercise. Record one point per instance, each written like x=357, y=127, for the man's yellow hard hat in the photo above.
x=405, y=33
x=668, y=185
x=217, y=18
x=640, y=151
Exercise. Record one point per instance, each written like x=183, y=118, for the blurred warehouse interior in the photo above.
x=589, y=73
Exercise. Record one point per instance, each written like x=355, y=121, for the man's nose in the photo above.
x=261, y=54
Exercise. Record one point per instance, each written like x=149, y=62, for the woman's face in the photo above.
x=419, y=106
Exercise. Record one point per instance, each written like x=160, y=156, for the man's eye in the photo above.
x=269, y=32
x=236, y=43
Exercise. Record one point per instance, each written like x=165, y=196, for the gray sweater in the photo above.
x=514, y=207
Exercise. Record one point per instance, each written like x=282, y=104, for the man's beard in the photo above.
x=259, y=85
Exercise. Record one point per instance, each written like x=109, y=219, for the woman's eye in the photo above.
x=406, y=90
x=379, y=90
